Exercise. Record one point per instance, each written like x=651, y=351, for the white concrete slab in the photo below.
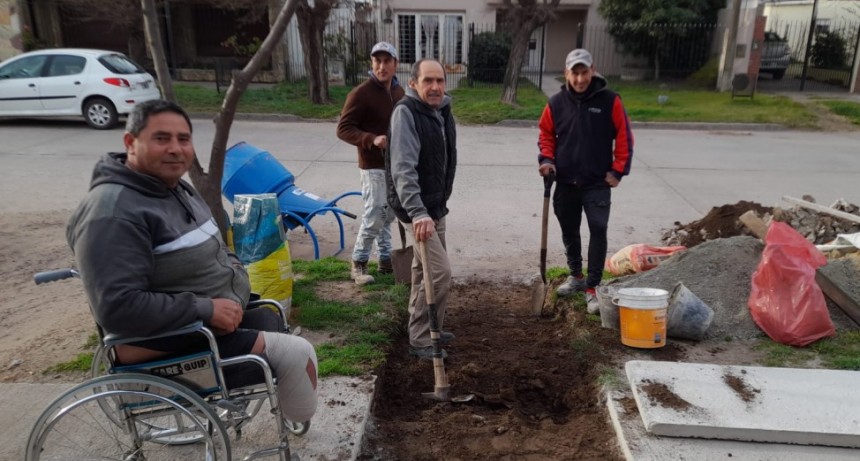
x=779, y=405
x=637, y=444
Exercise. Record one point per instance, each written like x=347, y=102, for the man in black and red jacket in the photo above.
x=586, y=141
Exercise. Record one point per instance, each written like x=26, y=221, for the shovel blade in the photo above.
x=440, y=393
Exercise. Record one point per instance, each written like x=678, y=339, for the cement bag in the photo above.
x=639, y=257
x=261, y=245
x=785, y=301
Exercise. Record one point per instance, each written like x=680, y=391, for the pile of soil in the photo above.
x=720, y=222
x=535, y=382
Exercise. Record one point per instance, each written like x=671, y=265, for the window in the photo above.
x=430, y=35
x=24, y=68
x=822, y=26
x=120, y=64
x=66, y=65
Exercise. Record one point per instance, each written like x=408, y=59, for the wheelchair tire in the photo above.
x=298, y=429
x=73, y=426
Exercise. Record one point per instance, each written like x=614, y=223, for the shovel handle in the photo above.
x=430, y=296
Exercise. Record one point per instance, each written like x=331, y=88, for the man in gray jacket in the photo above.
x=152, y=260
x=420, y=176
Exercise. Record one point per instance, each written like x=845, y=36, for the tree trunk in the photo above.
x=311, y=23
x=515, y=62
x=209, y=184
x=156, y=46
x=522, y=20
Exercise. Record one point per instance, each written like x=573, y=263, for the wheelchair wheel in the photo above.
x=298, y=429
x=100, y=367
x=151, y=412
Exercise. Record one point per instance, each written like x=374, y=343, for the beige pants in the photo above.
x=440, y=273
x=294, y=364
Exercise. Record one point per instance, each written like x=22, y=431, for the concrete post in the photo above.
x=729, y=48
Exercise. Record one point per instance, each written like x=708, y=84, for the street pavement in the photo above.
x=494, y=225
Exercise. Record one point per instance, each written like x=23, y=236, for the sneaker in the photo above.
x=385, y=266
x=571, y=286
x=592, y=304
x=359, y=273
x=425, y=353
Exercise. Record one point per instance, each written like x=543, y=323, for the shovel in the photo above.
x=539, y=290
x=441, y=388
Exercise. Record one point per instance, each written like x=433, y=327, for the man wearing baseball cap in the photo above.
x=364, y=123
x=586, y=142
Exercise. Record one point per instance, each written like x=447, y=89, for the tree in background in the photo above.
x=643, y=27
x=829, y=51
x=312, y=20
x=521, y=19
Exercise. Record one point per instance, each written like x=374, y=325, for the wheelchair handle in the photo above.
x=54, y=275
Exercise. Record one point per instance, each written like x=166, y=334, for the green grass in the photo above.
x=482, y=105
x=847, y=109
x=284, y=98
x=697, y=105
x=365, y=327
x=82, y=362
x=841, y=352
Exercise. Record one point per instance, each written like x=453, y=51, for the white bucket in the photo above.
x=643, y=316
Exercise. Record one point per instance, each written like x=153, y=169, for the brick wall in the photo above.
x=756, y=49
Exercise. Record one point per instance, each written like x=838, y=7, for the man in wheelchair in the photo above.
x=152, y=260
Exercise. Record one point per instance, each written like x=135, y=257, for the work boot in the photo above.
x=385, y=266
x=571, y=285
x=446, y=337
x=359, y=273
x=592, y=305
x=425, y=353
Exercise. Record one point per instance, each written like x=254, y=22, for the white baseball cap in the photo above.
x=384, y=47
x=578, y=56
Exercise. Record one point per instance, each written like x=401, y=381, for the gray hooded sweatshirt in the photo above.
x=151, y=258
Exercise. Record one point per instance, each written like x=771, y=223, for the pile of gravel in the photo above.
x=719, y=272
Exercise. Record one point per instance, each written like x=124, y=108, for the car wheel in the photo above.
x=100, y=114
x=778, y=74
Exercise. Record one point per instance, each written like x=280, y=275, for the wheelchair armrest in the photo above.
x=114, y=339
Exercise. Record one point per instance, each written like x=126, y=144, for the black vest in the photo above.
x=437, y=160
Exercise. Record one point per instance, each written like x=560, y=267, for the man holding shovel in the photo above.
x=586, y=141
x=420, y=174
x=364, y=124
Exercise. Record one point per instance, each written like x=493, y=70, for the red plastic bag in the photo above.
x=785, y=300
x=639, y=257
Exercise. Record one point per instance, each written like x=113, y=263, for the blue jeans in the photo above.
x=569, y=202
x=376, y=220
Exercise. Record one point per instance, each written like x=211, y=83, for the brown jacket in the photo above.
x=365, y=116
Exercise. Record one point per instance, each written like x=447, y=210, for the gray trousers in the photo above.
x=440, y=270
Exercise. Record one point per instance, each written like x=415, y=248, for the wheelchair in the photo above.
x=175, y=408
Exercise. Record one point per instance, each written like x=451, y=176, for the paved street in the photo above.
x=494, y=223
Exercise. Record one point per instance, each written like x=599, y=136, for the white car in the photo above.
x=100, y=85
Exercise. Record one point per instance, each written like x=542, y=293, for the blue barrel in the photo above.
x=250, y=170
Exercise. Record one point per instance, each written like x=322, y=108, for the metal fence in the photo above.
x=476, y=55
x=819, y=61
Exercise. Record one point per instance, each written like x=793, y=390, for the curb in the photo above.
x=700, y=126
x=693, y=126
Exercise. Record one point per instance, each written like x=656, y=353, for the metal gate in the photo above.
x=797, y=59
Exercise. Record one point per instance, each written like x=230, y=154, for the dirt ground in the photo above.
x=536, y=383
